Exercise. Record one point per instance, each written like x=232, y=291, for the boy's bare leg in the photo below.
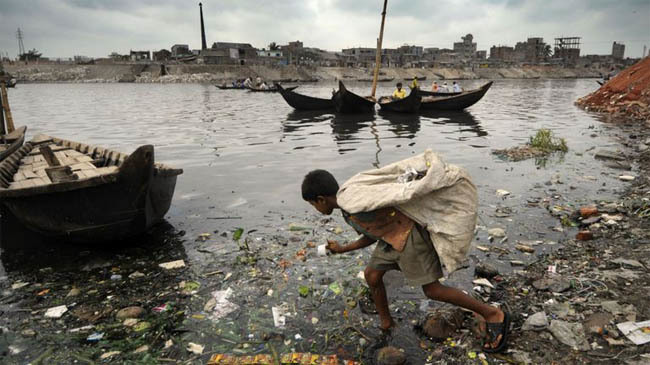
x=375, y=281
x=437, y=291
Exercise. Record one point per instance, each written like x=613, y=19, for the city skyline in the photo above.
x=95, y=28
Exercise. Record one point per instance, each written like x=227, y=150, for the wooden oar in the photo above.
x=5, y=106
x=378, y=56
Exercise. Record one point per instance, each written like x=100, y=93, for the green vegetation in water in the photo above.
x=545, y=141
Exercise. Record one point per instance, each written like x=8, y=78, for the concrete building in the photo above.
x=481, y=55
x=567, y=50
x=466, y=49
x=214, y=56
x=269, y=54
x=502, y=53
x=179, y=50
x=162, y=55
x=240, y=51
x=618, y=51
x=360, y=56
x=140, y=55
x=536, y=50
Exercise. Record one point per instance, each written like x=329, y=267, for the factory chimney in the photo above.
x=203, y=44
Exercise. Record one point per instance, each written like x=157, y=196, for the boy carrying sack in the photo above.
x=422, y=213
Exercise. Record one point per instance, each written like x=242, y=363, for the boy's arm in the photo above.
x=362, y=242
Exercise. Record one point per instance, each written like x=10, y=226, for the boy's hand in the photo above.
x=334, y=246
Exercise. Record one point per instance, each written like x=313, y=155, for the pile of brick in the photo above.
x=627, y=95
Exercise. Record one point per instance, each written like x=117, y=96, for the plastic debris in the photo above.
x=18, y=285
x=95, y=337
x=497, y=232
x=335, y=288
x=322, y=250
x=162, y=308
x=279, y=318
x=222, y=306
x=106, y=355
x=638, y=332
x=484, y=282
x=502, y=193
x=172, y=264
x=56, y=312
x=626, y=178
x=195, y=348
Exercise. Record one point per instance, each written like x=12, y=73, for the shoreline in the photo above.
x=179, y=73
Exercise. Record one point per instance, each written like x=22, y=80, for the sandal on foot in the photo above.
x=493, y=330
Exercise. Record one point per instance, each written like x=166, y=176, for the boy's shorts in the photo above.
x=419, y=261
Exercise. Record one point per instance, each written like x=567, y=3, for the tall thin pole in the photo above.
x=203, y=43
x=378, y=57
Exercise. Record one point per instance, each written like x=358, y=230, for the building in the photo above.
x=618, y=51
x=241, y=51
x=140, y=55
x=269, y=53
x=466, y=49
x=481, y=55
x=360, y=56
x=502, y=53
x=215, y=56
x=162, y=55
x=179, y=50
x=567, y=50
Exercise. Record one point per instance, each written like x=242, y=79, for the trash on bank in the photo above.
x=95, y=337
x=195, y=348
x=222, y=306
x=638, y=332
x=279, y=318
x=322, y=250
x=292, y=358
x=484, y=282
x=172, y=264
x=56, y=312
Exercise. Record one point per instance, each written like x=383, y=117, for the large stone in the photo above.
x=536, y=322
x=570, y=334
x=390, y=355
x=444, y=323
x=129, y=312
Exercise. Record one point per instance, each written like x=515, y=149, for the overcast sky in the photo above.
x=63, y=28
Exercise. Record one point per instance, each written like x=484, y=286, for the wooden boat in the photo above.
x=601, y=83
x=383, y=79
x=230, y=87
x=456, y=102
x=78, y=192
x=270, y=89
x=10, y=138
x=304, y=102
x=424, y=93
x=423, y=78
x=346, y=101
x=410, y=104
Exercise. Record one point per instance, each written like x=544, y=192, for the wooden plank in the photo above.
x=82, y=166
x=7, y=109
x=49, y=156
x=106, y=170
x=60, y=174
x=29, y=174
x=19, y=176
x=84, y=158
x=91, y=173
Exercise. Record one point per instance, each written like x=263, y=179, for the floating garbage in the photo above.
x=56, y=312
x=638, y=332
x=279, y=316
x=222, y=306
x=172, y=264
x=195, y=348
x=322, y=250
x=162, y=308
x=95, y=337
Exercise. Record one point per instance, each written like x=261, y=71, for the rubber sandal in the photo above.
x=493, y=330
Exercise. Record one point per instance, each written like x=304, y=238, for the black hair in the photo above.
x=318, y=183
x=399, y=84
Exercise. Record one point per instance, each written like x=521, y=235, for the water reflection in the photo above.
x=297, y=120
x=403, y=125
x=345, y=127
x=464, y=119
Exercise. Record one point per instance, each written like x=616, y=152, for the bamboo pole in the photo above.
x=5, y=106
x=2, y=117
x=378, y=56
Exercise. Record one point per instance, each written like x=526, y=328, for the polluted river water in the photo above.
x=253, y=281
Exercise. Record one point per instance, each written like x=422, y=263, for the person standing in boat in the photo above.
x=414, y=83
x=399, y=93
x=435, y=88
x=456, y=88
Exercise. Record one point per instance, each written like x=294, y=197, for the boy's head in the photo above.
x=399, y=85
x=319, y=188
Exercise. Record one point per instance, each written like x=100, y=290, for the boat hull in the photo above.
x=304, y=102
x=457, y=102
x=347, y=102
x=410, y=104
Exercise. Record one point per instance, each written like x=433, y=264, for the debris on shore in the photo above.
x=542, y=144
x=626, y=95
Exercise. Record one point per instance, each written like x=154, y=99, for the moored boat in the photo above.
x=85, y=193
x=230, y=87
x=409, y=104
x=456, y=102
x=11, y=138
x=304, y=102
x=424, y=93
x=423, y=78
x=346, y=101
x=272, y=89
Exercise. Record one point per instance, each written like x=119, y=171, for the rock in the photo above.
x=536, y=322
x=390, y=356
x=524, y=248
x=497, y=232
x=554, y=284
x=130, y=312
x=485, y=270
x=130, y=322
x=619, y=165
x=596, y=322
x=135, y=275
x=444, y=323
x=570, y=334
x=610, y=155
x=73, y=292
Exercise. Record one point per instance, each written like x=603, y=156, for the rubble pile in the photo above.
x=626, y=95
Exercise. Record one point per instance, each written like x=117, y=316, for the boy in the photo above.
x=402, y=245
x=399, y=93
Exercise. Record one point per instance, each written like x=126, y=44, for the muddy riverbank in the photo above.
x=244, y=159
x=174, y=73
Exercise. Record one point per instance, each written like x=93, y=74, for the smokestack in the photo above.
x=203, y=44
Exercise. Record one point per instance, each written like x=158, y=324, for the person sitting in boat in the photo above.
x=435, y=88
x=264, y=86
x=414, y=83
x=456, y=88
x=399, y=93
x=248, y=82
x=444, y=88
x=258, y=81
